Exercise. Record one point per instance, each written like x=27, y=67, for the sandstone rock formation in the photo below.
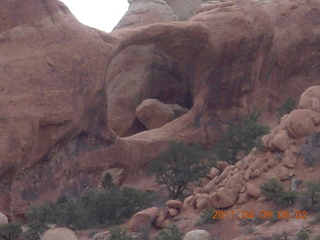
x=154, y=114
x=59, y=233
x=143, y=218
x=64, y=84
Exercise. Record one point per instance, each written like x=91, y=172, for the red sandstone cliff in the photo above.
x=58, y=91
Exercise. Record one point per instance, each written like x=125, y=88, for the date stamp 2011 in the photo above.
x=261, y=214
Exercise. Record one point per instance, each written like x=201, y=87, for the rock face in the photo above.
x=154, y=114
x=68, y=91
x=59, y=233
x=141, y=72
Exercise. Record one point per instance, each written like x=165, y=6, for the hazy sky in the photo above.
x=101, y=14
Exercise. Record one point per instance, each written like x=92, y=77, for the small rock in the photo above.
x=280, y=140
x=253, y=191
x=262, y=199
x=272, y=162
x=241, y=165
x=222, y=165
x=243, y=198
x=214, y=172
x=174, y=204
x=173, y=212
x=197, y=235
x=256, y=173
x=189, y=201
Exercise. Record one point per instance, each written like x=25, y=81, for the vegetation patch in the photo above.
x=311, y=149
x=171, y=232
x=180, y=166
x=106, y=208
x=241, y=137
x=273, y=190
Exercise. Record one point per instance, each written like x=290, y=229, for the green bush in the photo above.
x=302, y=235
x=274, y=218
x=179, y=166
x=310, y=149
x=241, y=137
x=309, y=197
x=120, y=233
x=206, y=217
x=107, y=181
x=288, y=106
x=317, y=237
x=10, y=231
x=171, y=232
x=271, y=189
x=38, y=219
x=107, y=207
x=274, y=191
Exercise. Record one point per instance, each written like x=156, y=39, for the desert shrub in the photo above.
x=206, y=217
x=273, y=190
x=311, y=148
x=274, y=218
x=120, y=233
x=38, y=219
x=171, y=232
x=10, y=231
x=288, y=106
x=317, y=237
x=241, y=137
x=248, y=230
x=302, y=235
x=179, y=166
x=107, y=181
x=107, y=207
x=309, y=197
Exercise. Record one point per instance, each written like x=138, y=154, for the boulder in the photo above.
x=234, y=180
x=310, y=99
x=174, y=204
x=283, y=172
x=253, y=190
x=256, y=173
x=197, y=235
x=214, y=172
x=143, y=218
x=243, y=198
x=221, y=165
x=302, y=122
x=3, y=218
x=272, y=162
x=154, y=114
x=163, y=212
x=280, y=140
x=210, y=186
x=189, y=201
x=59, y=233
x=173, y=211
x=178, y=110
x=223, y=198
